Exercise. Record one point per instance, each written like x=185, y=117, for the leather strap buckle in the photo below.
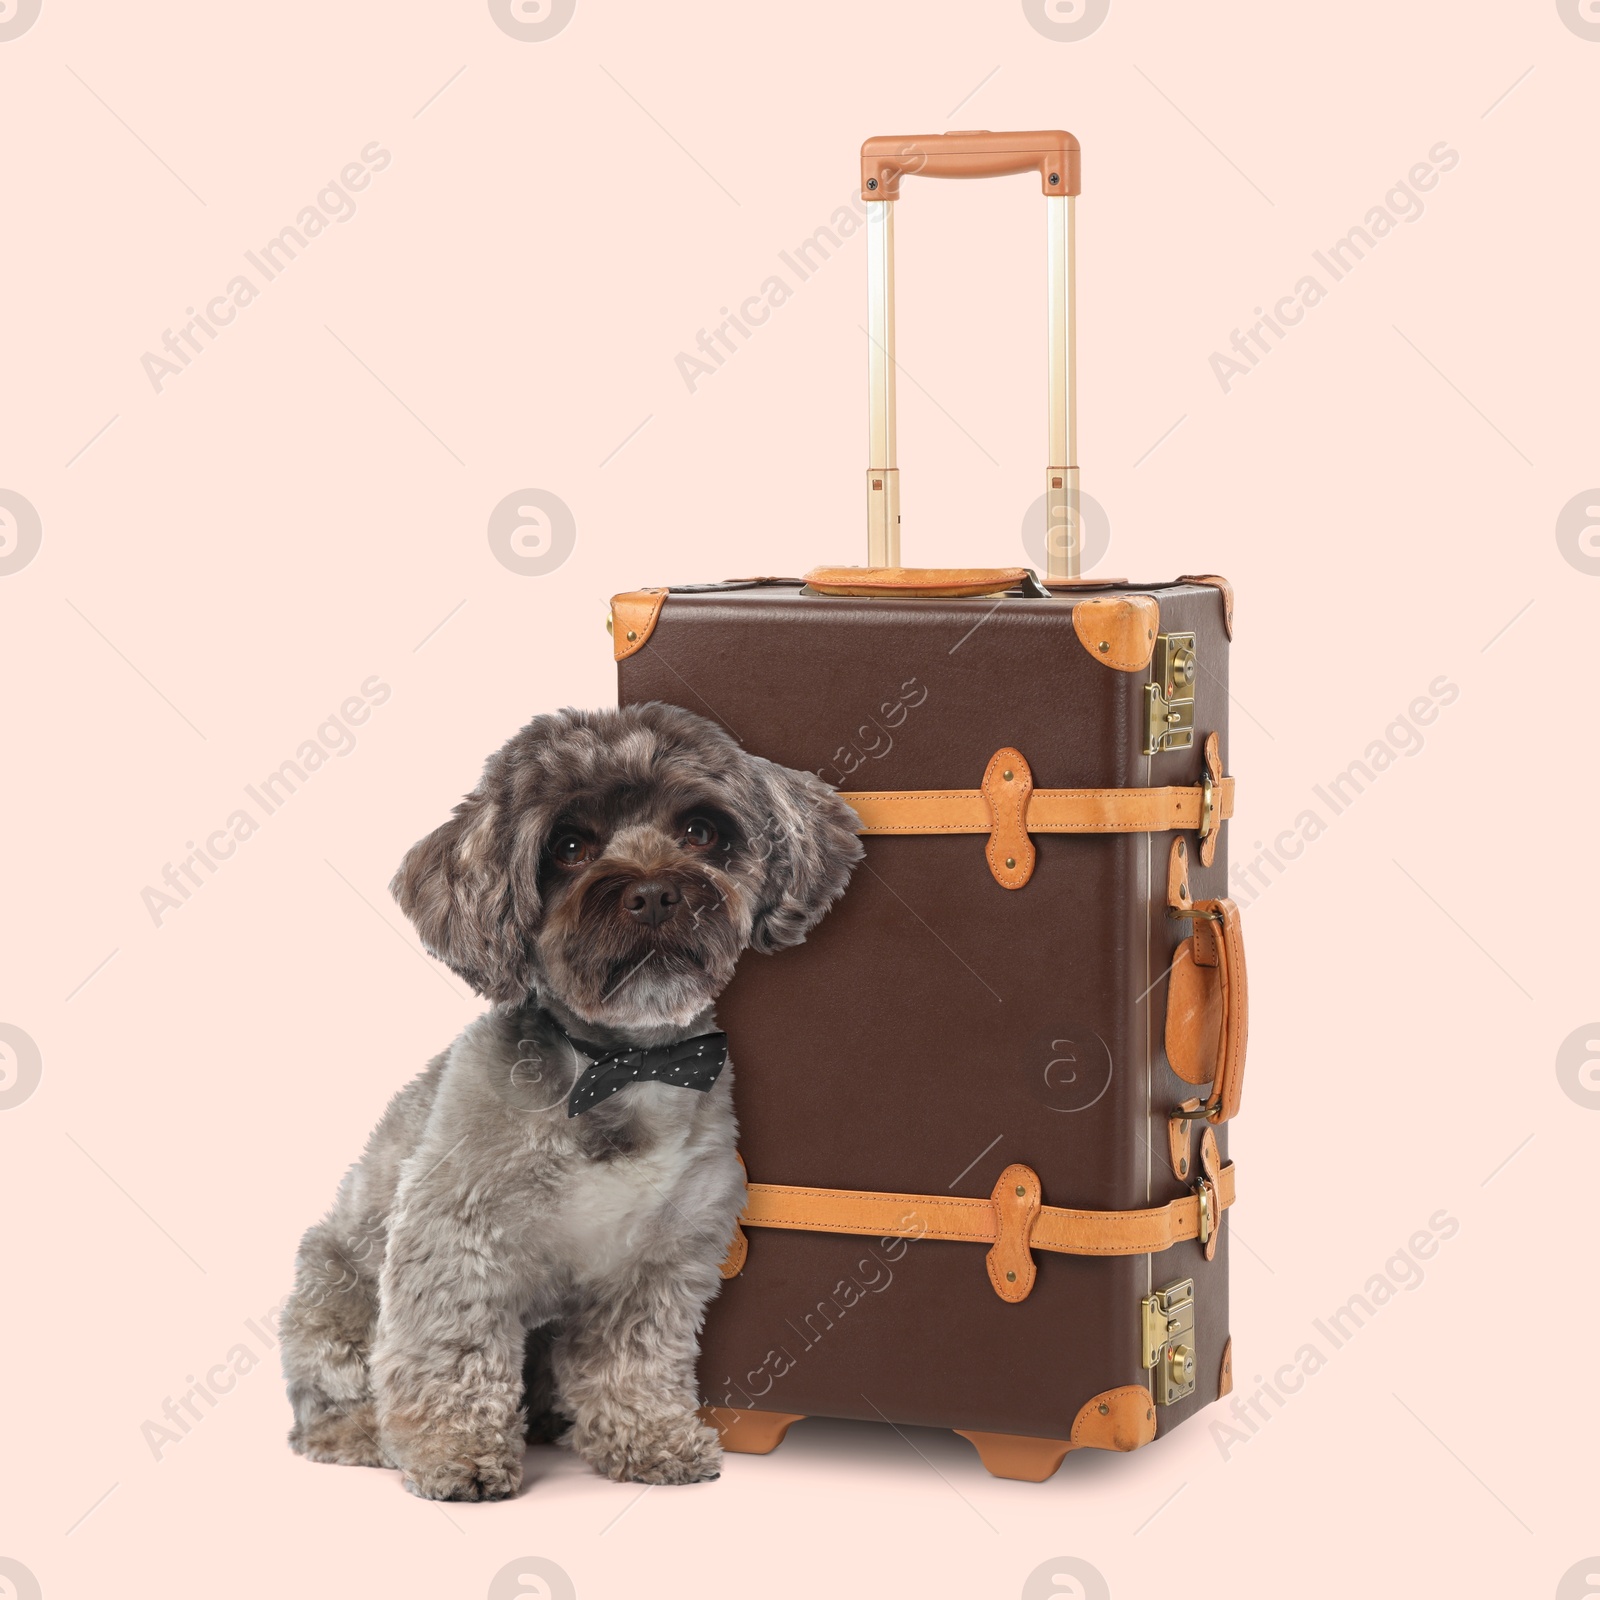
x=1210, y=1219
x=1207, y=797
x=1210, y=779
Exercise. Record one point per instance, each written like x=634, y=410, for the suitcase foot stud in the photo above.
x=1016, y=1455
x=1117, y=1419
x=750, y=1433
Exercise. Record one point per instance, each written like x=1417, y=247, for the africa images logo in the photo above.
x=532, y=21
x=1066, y=21
x=16, y=17
x=21, y=532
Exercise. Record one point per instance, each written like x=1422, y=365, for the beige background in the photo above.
x=306, y=506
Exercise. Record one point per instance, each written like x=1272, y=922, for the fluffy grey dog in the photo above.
x=498, y=1251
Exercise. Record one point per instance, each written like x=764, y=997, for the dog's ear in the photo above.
x=470, y=903
x=810, y=844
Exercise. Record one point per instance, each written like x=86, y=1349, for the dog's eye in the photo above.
x=570, y=850
x=699, y=834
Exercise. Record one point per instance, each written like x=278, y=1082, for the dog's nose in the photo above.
x=651, y=903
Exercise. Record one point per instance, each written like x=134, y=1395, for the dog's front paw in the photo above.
x=346, y=1435
x=675, y=1449
x=457, y=1466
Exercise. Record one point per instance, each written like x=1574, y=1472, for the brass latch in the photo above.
x=1167, y=1340
x=1169, y=701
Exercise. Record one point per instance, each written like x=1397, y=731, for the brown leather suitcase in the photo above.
x=982, y=1110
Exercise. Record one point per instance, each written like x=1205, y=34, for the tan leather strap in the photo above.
x=915, y=1216
x=1007, y=785
x=1049, y=810
x=1016, y=1203
x=1009, y=809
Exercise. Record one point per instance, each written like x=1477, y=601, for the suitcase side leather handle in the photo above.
x=1226, y=942
x=975, y=153
x=1208, y=1000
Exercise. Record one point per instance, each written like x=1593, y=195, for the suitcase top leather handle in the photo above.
x=926, y=582
x=1052, y=153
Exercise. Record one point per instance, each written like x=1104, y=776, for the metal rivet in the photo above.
x=1055, y=177
x=1006, y=776
x=1105, y=1410
x=1105, y=644
x=872, y=183
x=1183, y=1166
x=1011, y=1277
x=1011, y=861
x=631, y=636
x=1020, y=1190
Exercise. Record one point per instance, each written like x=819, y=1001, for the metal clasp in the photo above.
x=1207, y=800
x=1169, y=699
x=1167, y=1340
x=1185, y=913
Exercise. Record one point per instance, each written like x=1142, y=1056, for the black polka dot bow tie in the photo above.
x=690, y=1064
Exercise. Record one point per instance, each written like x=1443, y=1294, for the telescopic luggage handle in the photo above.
x=885, y=160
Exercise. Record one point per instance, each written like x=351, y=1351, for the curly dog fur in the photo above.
x=493, y=1270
